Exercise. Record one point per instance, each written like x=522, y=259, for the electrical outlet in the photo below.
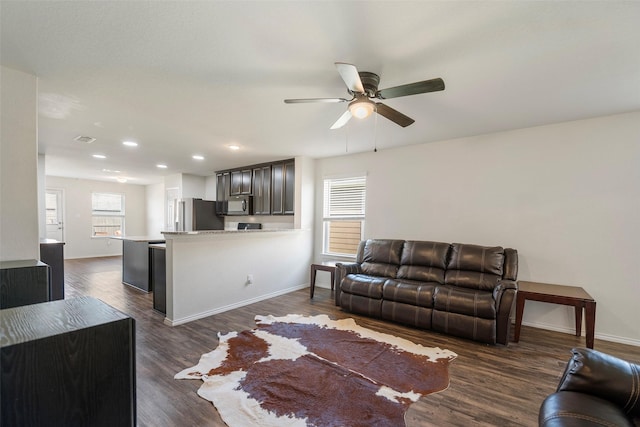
x=249, y=279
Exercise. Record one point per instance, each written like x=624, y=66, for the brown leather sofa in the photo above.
x=596, y=389
x=459, y=289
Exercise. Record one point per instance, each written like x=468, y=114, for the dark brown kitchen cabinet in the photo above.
x=289, y=187
x=283, y=185
x=241, y=182
x=262, y=190
x=223, y=181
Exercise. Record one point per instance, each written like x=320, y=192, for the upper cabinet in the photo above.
x=272, y=186
x=283, y=184
x=262, y=190
x=241, y=182
x=223, y=182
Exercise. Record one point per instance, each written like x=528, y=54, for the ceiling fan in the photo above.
x=363, y=87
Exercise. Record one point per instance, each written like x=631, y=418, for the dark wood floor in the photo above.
x=490, y=385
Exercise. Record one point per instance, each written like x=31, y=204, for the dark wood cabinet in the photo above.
x=241, y=182
x=289, y=188
x=158, y=268
x=262, y=190
x=52, y=254
x=135, y=262
x=272, y=186
x=223, y=183
x=277, y=186
x=24, y=282
x=67, y=363
x=283, y=188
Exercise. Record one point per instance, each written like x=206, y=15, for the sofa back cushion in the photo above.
x=423, y=261
x=381, y=257
x=475, y=267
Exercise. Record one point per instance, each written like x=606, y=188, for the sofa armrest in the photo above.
x=504, y=295
x=502, y=286
x=342, y=269
x=604, y=376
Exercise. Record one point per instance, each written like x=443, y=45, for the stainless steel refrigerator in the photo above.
x=197, y=214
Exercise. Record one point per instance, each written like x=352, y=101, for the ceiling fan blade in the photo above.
x=425, y=86
x=349, y=74
x=326, y=100
x=344, y=118
x=393, y=115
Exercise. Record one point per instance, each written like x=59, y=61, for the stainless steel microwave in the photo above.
x=236, y=205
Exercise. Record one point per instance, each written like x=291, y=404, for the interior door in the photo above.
x=54, y=214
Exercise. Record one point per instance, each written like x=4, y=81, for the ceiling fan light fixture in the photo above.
x=361, y=108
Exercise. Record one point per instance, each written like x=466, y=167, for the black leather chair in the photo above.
x=596, y=389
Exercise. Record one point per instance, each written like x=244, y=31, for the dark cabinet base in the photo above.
x=52, y=254
x=67, y=363
x=159, y=277
x=24, y=282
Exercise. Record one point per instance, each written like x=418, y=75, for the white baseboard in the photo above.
x=572, y=331
x=208, y=313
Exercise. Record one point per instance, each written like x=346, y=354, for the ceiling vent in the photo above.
x=85, y=139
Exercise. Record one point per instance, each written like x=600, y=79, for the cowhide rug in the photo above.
x=314, y=371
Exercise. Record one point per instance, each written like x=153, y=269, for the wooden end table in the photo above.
x=558, y=294
x=329, y=266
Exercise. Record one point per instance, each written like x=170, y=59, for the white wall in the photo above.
x=210, y=184
x=19, y=224
x=77, y=211
x=155, y=208
x=207, y=274
x=193, y=186
x=42, y=201
x=566, y=196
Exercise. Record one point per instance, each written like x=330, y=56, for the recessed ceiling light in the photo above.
x=110, y=171
x=130, y=143
x=99, y=156
x=197, y=157
x=161, y=166
x=121, y=180
x=234, y=147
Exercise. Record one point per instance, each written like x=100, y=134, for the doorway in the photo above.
x=54, y=214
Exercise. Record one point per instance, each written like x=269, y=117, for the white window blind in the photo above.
x=344, y=198
x=107, y=214
x=343, y=215
x=107, y=204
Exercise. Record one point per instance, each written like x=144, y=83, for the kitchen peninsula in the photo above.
x=209, y=272
x=135, y=260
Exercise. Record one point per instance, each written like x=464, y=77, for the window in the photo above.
x=343, y=215
x=107, y=214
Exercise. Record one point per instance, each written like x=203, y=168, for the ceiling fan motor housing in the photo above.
x=370, y=82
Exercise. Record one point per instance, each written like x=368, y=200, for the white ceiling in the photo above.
x=186, y=77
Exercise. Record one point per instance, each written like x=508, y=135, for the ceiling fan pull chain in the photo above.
x=375, y=131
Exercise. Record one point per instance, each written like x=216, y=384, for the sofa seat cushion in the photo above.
x=409, y=292
x=465, y=301
x=569, y=409
x=363, y=285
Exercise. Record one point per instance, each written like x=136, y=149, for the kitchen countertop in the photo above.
x=155, y=239
x=206, y=232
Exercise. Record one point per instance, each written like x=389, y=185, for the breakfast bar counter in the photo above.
x=208, y=272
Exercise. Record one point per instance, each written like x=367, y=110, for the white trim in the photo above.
x=219, y=310
x=572, y=331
